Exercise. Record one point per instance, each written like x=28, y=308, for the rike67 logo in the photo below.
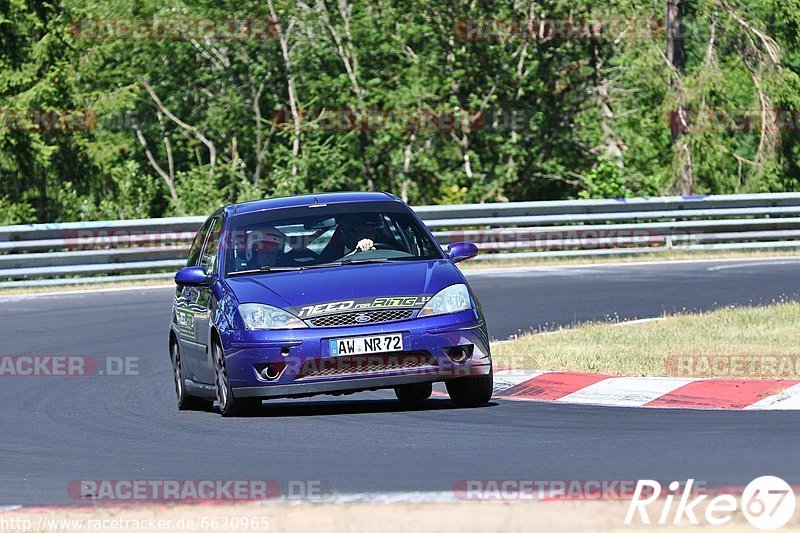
x=767, y=502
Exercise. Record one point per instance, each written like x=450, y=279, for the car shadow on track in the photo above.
x=276, y=409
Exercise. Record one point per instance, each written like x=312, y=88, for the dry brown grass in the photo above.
x=642, y=349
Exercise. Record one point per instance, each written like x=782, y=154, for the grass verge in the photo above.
x=707, y=344
x=86, y=287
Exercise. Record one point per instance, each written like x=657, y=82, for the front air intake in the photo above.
x=366, y=364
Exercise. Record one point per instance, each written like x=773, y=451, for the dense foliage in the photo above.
x=98, y=121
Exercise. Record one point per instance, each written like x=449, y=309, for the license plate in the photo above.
x=391, y=342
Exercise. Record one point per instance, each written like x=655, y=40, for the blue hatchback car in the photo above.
x=324, y=294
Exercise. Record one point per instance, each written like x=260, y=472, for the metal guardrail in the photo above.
x=124, y=250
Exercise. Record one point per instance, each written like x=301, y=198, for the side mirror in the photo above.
x=460, y=251
x=191, y=277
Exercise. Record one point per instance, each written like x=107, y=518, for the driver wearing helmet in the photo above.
x=264, y=247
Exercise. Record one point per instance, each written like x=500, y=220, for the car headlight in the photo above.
x=452, y=299
x=260, y=316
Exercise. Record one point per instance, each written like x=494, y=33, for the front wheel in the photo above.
x=186, y=402
x=413, y=393
x=229, y=405
x=472, y=391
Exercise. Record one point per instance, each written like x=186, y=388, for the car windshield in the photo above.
x=325, y=235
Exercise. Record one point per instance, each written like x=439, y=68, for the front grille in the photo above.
x=365, y=364
x=349, y=319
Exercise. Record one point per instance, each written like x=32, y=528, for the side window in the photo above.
x=208, y=259
x=197, y=245
x=420, y=244
x=394, y=234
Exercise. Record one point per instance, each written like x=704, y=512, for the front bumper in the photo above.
x=426, y=340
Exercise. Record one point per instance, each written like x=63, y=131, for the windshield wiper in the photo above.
x=363, y=261
x=263, y=270
x=320, y=265
x=266, y=269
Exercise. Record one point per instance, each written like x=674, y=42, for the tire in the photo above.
x=472, y=391
x=229, y=404
x=413, y=393
x=186, y=402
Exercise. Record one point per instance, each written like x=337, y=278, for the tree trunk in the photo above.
x=43, y=214
x=676, y=57
x=283, y=39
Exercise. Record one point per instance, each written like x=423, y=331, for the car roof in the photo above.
x=310, y=199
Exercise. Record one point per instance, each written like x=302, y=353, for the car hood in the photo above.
x=294, y=290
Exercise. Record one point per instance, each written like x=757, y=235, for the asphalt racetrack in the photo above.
x=57, y=430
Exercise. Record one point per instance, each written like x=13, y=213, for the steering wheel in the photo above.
x=375, y=246
x=295, y=255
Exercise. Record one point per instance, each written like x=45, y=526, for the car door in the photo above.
x=183, y=309
x=203, y=305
